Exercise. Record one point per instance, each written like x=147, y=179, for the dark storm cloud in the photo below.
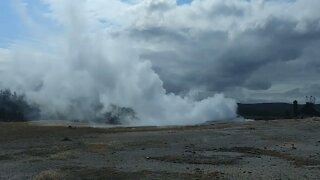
x=241, y=55
x=312, y=89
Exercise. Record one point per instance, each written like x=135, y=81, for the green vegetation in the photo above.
x=266, y=110
x=14, y=107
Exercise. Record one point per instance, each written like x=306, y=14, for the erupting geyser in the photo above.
x=84, y=71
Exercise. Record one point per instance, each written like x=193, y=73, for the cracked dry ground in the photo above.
x=281, y=149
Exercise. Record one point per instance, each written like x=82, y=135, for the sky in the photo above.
x=268, y=59
x=15, y=29
x=249, y=50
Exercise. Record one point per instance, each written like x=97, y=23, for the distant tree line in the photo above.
x=14, y=107
x=266, y=111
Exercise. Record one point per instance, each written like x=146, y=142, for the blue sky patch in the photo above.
x=181, y=2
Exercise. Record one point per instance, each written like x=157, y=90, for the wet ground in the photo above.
x=281, y=149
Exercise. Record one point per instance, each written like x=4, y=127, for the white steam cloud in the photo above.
x=82, y=71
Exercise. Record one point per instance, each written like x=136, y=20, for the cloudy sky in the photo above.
x=251, y=50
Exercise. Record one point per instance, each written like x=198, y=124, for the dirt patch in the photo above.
x=6, y=157
x=198, y=152
x=48, y=151
x=100, y=148
x=121, y=146
x=298, y=161
x=70, y=173
x=112, y=146
x=198, y=159
x=57, y=152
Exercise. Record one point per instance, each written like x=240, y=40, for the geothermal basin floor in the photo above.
x=279, y=149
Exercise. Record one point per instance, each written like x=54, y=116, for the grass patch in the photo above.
x=23, y=130
x=50, y=175
x=64, y=155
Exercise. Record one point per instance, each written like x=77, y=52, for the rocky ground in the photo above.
x=281, y=149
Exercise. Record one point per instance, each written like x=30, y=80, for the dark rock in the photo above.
x=66, y=139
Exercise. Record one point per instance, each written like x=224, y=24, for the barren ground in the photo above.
x=282, y=149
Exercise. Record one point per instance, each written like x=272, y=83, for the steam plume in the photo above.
x=85, y=72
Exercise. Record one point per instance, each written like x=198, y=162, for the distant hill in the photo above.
x=267, y=110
